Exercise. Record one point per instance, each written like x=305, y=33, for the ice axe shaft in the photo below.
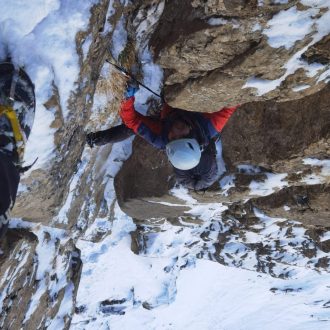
x=127, y=74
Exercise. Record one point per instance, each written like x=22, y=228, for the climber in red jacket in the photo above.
x=188, y=138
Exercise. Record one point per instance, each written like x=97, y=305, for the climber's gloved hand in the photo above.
x=131, y=89
x=92, y=139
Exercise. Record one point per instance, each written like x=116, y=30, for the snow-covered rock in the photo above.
x=101, y=238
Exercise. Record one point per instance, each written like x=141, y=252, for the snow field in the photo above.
x=203, y=294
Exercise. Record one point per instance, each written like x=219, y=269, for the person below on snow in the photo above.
x=17, y=106
x=187, y=137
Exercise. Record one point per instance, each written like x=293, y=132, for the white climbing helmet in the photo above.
x=184, y=154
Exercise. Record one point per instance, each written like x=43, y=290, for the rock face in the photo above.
x=267, y=133
x=155, y=182
x=210, y=50
x=40, y=266
x=35, y=271
x=264, y=134
x=269, y=212
x=278, y=134
x=206, y=67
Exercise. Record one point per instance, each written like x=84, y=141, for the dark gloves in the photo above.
x=92, y=139
x=112, y=135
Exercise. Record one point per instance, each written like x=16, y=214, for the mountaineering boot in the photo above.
x=17, y=109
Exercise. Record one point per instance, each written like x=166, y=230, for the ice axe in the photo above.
x=127, y=74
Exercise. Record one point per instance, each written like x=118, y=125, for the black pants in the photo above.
x=112, y=135
x=9, y=180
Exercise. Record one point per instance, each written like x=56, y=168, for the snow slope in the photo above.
x=40, y=35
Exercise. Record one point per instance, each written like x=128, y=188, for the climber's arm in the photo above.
x=148, y=128
x=219, y=119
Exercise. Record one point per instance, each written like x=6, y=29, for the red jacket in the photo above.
x=151, y=129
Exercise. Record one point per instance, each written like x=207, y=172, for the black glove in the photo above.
x=92, y=138
x=111, y=135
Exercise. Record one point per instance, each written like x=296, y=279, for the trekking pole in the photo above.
x=127, y=74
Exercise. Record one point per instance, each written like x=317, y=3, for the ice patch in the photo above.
x=263, y=86
x=183, y=194
x=217, y=21
x=152, y=73
x=312, y=179
x=66, y=307
x=324, y=76
x=289, y=26
x=324, y=164
x=220, y=162
x=86, y=45
x=321, y=177
x=107, y=25
x=251, y=237
x=22, y=189
x=62, y=216
x=222, y=21
x=248, y=169
x=299, y=88
x=316, y=4
x=119, y=38
x=256, y=27
x=167, y=204
x=226, y=183
x=267, y=187
x=325, y=237
x=152, y=77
